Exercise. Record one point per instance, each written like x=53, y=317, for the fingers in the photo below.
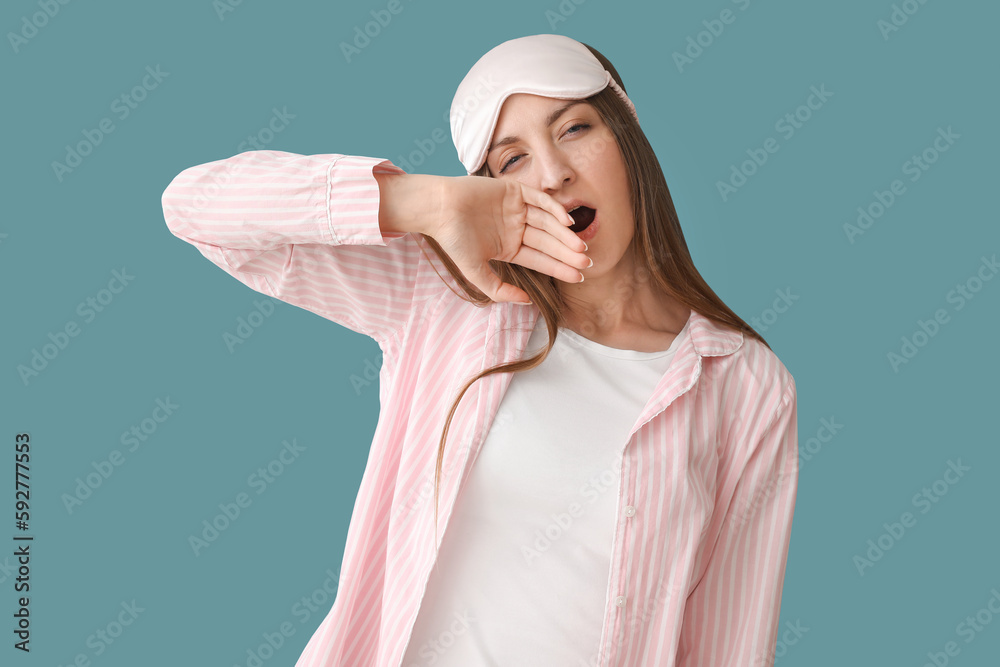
x=547, y=203
x=548, y=244
x=548, y=214
x=543, y=263
x=543, y=233
x=508, y=292
x=497, y=290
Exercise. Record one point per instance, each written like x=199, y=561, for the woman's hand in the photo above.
x=484, y=218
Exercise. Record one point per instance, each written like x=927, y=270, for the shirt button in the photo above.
x=620, y=600
x=629, y=511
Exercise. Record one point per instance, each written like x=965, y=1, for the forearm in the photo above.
x=409, y=202
x=256, y=200
x=304, y=229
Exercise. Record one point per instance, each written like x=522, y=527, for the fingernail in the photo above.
x=591, y=263
x=585, y=246
x=581, y=278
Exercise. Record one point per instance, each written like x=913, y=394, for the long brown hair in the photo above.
x=658, y=244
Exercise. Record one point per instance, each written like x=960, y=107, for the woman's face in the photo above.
x=573, y=158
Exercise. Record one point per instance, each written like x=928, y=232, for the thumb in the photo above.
x=496, y=289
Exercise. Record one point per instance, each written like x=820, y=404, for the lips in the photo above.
x=582, y=215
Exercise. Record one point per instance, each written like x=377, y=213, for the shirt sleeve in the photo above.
x=731, y=615
x=304, y=229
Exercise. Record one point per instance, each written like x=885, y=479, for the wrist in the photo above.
x=410, y=202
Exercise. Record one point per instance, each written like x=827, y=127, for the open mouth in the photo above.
x=582, y=216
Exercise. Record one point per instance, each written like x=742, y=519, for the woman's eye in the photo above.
x=508, y=163
x=582, y=126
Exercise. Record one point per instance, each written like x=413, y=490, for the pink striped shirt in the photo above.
x=708, y=477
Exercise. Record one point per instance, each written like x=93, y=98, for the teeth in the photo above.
x=574, y=208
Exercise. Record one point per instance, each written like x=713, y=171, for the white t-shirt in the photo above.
x=523, y=568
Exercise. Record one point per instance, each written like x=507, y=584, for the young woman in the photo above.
x=583, y=456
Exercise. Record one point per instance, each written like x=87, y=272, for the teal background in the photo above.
x=162, y=335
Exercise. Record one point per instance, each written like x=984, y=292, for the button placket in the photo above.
x=629, y=511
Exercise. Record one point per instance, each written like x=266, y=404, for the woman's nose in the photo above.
x=554, y=168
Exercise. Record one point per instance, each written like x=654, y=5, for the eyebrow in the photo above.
x=553, y=117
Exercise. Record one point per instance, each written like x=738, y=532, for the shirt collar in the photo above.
x=711, y=339
x=708, y=337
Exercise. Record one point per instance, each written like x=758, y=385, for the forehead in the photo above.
x=527, y=108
